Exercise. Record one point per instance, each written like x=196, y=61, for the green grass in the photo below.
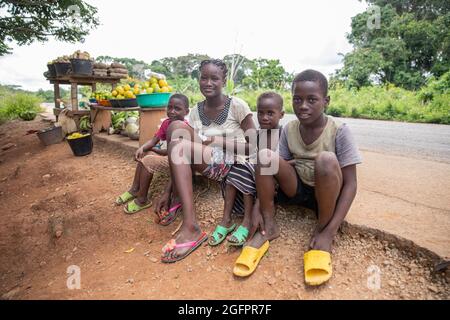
x=13, y=103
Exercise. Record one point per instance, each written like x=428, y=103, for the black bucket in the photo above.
x=81, y=146
x=51, y=135
x=62, y=68
x=81, y=66
x=51, y=70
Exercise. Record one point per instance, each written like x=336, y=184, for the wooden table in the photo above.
x=74, y=80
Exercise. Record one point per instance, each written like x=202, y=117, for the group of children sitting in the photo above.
x=310, y=162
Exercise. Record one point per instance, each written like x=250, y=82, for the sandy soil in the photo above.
x=57, y=211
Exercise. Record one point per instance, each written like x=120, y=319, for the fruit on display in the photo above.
x=77, y=135
x=101, y=95
x=155, y=85
x=85, y=123
x=81, y=55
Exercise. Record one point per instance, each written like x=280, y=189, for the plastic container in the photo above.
x=51, y=70
x=81, y=146
x=62, y=68
x=93, y=100
x=51, y=135
x=153, y=100
x=128, y=103
x=81, y=66
x=114, y=103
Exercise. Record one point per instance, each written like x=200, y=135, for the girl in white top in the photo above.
x=211, y=144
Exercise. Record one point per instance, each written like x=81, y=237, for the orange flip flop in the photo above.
x=318, y=268
x=248, y=260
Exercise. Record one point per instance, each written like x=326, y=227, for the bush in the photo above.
x=14, y=104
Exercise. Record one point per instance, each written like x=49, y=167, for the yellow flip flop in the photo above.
x=317, y=267
x=248, y=260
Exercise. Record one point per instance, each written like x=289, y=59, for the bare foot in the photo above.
x=258, y=239
x=321, y=241
x=185, y=235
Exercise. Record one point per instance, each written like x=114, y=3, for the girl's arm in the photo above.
x=238, y=147
x=348, y=193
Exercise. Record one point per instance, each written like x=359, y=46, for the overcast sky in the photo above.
x=301, y=34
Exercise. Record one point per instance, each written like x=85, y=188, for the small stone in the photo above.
x=290, y=241
x=150, y=241
x=391, y=283
x=46, y=176
x=98, y=262
x=209, y=269
x=154, y=260
x=8, y=146
x=271, y=281
x=189, y=269
x=208, y=253
x=278, y=274
x=147, y=253
x=74, y=249
x=58, y=233
x=42, y=264
x=386, y=262
x=433, y=288
x=130, y=281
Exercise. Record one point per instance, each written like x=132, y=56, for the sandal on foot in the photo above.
x=172, y=245
x=317, y=267
x=219, y=234
x=169, y=216
x=133, y=207
x=240, y=234
x=249, y=259
x=124, y=198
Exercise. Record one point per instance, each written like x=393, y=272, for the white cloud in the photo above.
x=302, y=34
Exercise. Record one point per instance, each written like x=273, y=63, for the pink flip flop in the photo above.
x=172, y=245
x=168, y=217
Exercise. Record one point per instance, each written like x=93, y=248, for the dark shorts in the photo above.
x=305, y=196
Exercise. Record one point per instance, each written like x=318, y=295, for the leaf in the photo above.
x=129, y=250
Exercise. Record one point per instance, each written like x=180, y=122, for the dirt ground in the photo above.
x=58, y=211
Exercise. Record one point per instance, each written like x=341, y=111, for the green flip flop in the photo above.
x=124, y=198
x=240, y=234
x=133, y=207
x=219, y=234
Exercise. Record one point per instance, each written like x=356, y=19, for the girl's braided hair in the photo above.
x=218, y=63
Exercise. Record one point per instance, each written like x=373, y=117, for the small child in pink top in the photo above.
x=136, y=198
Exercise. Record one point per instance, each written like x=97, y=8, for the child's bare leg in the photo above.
x=145, y=178
x=265, y=186
x=181, y=173
x=135, y=185
x=248, y=206
x=328, y=177
x=230, y=196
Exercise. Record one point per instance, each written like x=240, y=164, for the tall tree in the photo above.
x=26, y=21
x=411, y=42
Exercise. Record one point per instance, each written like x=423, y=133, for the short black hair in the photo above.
x=314, y=76
x=270, y=94
x=218, y=63
x=181, y=97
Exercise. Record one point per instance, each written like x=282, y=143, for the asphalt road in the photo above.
x=415, y=140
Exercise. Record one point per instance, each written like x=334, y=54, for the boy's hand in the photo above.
x=139, y=154
x=162, y=204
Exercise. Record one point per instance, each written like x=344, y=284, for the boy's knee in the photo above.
x=326, y=162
